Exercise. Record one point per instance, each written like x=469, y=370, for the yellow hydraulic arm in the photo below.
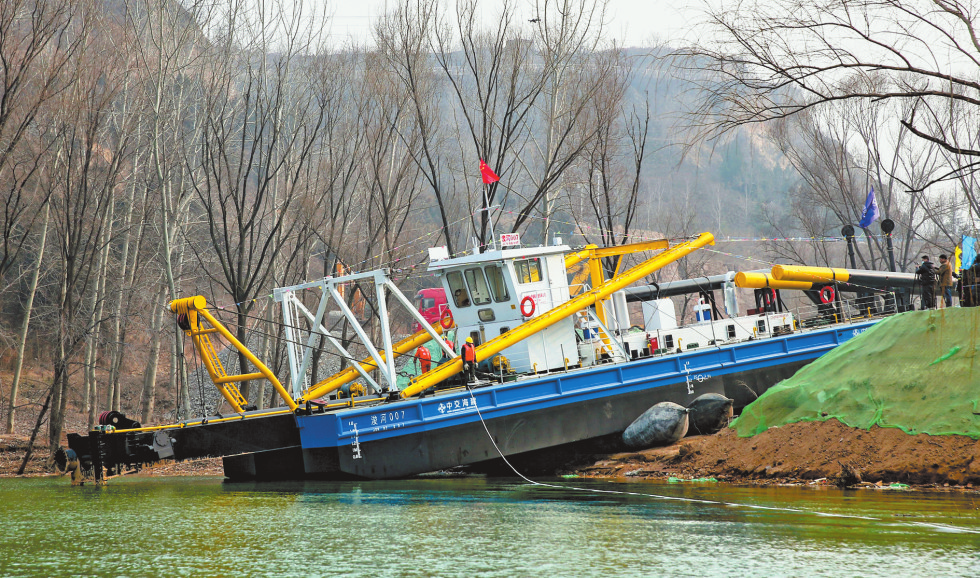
x=190, y=311
x=346, y=376
x=597, y=294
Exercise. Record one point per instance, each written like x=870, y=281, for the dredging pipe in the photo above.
x=755, y=280
x=672, y=288
x=858, y=277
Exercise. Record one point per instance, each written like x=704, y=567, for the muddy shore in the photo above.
x=806, y=453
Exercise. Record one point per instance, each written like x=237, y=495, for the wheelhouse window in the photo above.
x=528, y=270
x=479, y=292
x=498, y=286
x=458, y=289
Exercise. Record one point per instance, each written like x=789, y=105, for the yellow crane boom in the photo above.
x=190, y=311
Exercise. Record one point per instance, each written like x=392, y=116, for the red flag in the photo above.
x=488, y=175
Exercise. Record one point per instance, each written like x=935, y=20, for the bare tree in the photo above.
x=778, y=59
x=613, y=180
x=96, y=149
x=263, y=120
x=38, y=41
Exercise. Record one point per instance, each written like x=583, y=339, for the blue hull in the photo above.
x=415, y=436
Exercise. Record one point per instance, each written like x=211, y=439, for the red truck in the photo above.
x=430, y=303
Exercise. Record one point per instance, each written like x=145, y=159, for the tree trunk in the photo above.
x=37, y=428
x=150, y=377
x=122, y=300
x=59, y=386
x=266, y=342
x=243, y=365
x=25, y=326
x=97, y=307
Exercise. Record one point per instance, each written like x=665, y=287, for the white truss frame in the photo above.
x=300, y=343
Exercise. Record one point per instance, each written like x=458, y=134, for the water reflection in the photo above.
x=476, y=525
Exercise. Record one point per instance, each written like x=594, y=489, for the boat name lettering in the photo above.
x=387, y=417
x=456, y=405
x=857, y=332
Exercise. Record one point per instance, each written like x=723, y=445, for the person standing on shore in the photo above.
x=927, y=278
x=946, y=281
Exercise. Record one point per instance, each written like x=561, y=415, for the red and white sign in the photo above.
x=510, y=239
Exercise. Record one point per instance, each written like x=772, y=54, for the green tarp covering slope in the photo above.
x=915, y=371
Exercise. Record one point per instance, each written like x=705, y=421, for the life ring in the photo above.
x=524, y=302
x=827, y=294
x=446, y=320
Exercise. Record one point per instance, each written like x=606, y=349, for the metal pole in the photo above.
x=848, y=232
x=887, y=226
x=486, y=203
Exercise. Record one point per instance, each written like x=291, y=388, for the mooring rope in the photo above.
x=935, y=526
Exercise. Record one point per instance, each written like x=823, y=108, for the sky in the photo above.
x=633, y=22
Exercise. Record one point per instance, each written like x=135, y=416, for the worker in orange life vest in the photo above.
x=469, y=359
x=423, y=358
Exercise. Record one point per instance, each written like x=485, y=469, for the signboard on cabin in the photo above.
x=510, y=239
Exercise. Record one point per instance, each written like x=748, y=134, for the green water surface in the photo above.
x=478, y=527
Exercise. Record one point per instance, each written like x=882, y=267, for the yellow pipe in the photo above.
x=600, y=252
x=194, y=306
x=567, y=309
x=201, y=421
x=346, y=376
x=596, y=252
x=579, y=256
x=764, y=281
x=812, y=274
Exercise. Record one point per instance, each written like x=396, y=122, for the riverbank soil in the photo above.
x=897, y=403
x=806, y=452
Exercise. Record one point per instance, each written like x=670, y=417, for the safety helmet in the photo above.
x=469, y=340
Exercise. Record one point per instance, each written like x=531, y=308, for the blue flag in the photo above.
x=969, y=251
x=871, y=212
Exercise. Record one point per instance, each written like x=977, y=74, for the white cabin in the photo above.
x=493, y=292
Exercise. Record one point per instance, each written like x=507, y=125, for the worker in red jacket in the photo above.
x=469, y=359
x=424, y=359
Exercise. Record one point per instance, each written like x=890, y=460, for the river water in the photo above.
x=476, y=526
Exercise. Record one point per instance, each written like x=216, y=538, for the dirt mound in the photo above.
x=807, y=451
x=916, y=371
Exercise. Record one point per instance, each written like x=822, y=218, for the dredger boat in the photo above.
x=561, y=365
